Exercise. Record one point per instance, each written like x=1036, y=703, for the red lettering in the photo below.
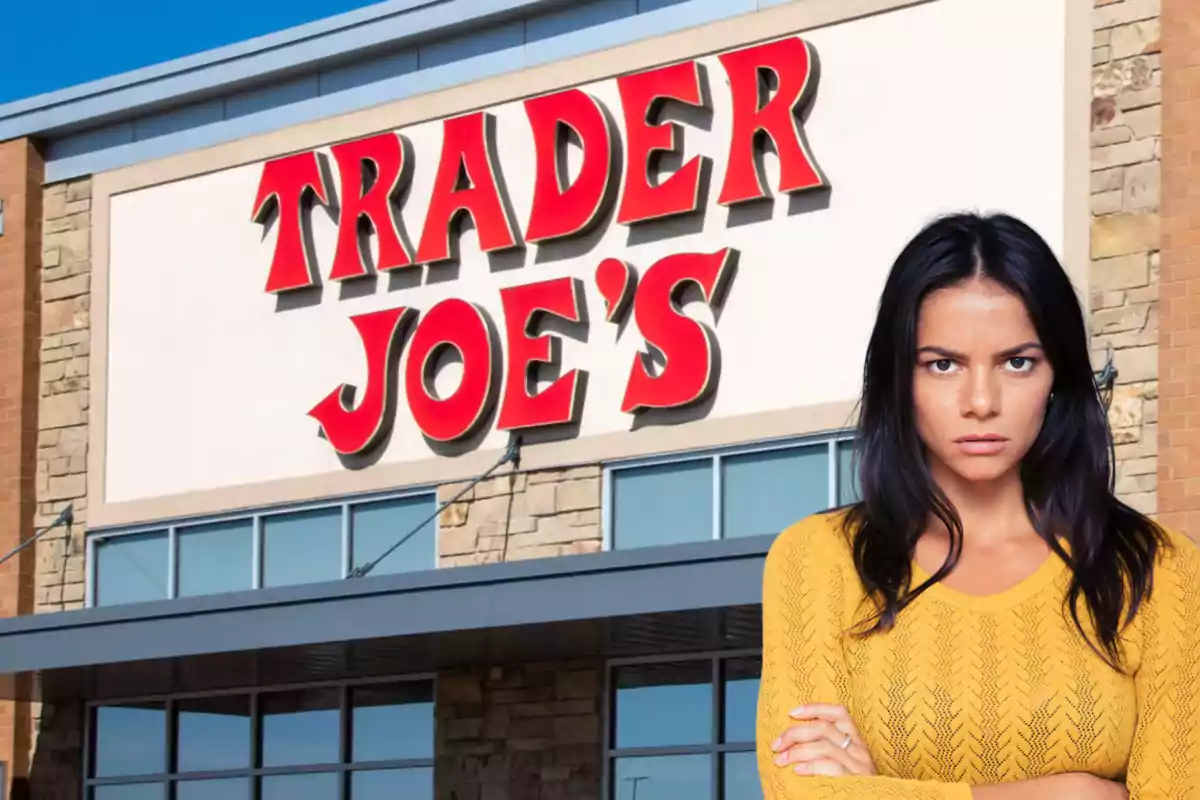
x=791, y=60
x=359, y=204
x=560, y=210
x=523, y=306
x=641, y=95
x=354, y=431
x=458, y=324
x=285, y=184
x=616, y=281
x=465, y=182
x=688, y=346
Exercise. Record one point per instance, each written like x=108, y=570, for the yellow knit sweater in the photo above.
x=969, y=690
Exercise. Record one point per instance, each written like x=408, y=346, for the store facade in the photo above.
x=426, y=388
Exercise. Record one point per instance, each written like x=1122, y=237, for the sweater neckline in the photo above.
x=1046, y=573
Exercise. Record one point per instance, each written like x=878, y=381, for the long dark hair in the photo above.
x=1068, y=473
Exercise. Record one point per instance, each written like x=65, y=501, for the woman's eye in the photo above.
x=942, y=365
x=1020, y=364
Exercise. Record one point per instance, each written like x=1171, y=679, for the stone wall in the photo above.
x=63, y=410
x=520, y=516
x=520, y=732
x=1126, y=180
x=62, y=460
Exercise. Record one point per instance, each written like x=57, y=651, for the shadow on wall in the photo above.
x=56, y=772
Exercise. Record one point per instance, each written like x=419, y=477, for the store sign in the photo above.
x=769, y=85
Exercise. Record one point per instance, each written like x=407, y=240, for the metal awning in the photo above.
x=689, y=597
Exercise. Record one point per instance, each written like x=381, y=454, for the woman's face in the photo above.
x=982, y=381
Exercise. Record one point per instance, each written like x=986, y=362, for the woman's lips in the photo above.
x=983, y=445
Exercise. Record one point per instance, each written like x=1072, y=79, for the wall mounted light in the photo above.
x=1, y=226
x=1106, y=378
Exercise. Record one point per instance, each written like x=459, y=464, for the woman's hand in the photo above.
x=824, y=741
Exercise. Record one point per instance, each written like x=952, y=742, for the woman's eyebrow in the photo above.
x=939, y=351
x=947, y=353
x=1012, y=351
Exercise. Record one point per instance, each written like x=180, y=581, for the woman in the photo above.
x=989, y=621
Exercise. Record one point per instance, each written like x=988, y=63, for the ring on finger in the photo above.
x=846, y=744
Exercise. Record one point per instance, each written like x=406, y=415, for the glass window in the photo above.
x=665, y=744
x=741, y=780
x=132, y=791
x=213, y=733
x=663, y=778
x=392, y=722
x=763, y=493
x=216, y=557
x=662, y=504
x=663, y=705
x=301, y=728
x=392, y=784
x=375, y=527
x=848, y=489
x=303, y=547
x=130, y=740
x=741, y=699
x=130, y=569
x=314, y=786
x=370, y=740
x=219, y=789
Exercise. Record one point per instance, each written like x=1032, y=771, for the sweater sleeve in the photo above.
x=804, y=616
x=1165, y=758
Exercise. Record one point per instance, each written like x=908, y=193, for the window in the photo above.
x=749, y=491
x=277, y=547
x=132, y=568
x=683, y=728
x=375, y=739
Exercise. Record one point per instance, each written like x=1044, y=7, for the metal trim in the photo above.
x=172, y=562
x=263, y=511
x=348, y=540
x=596, y=586
x=226, y=70
x=746, y=448
x=89, y=568
x=718, y=501
x=606, y=509
x=834, y=478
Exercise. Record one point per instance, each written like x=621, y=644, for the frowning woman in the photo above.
x=989, y=621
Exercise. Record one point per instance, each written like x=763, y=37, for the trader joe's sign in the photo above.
x=363, y=184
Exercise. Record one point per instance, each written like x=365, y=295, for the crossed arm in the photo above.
x=809, y=746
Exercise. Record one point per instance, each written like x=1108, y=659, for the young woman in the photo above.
x=989, y=621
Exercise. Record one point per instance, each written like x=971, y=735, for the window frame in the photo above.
x=714, y=455
x=343, y=768
x=256, y=516
x=715, y=748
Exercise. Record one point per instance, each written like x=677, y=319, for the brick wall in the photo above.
x=521, y=516
x=520, y=731
x=21, y=193
x=1179, y=468
x=1126, y=180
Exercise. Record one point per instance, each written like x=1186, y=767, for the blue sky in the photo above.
x=52, y=45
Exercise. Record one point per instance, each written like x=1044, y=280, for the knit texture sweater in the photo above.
x=972, y=690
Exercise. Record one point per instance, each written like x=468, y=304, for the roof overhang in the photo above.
x=684, y=597
x=352, y=36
